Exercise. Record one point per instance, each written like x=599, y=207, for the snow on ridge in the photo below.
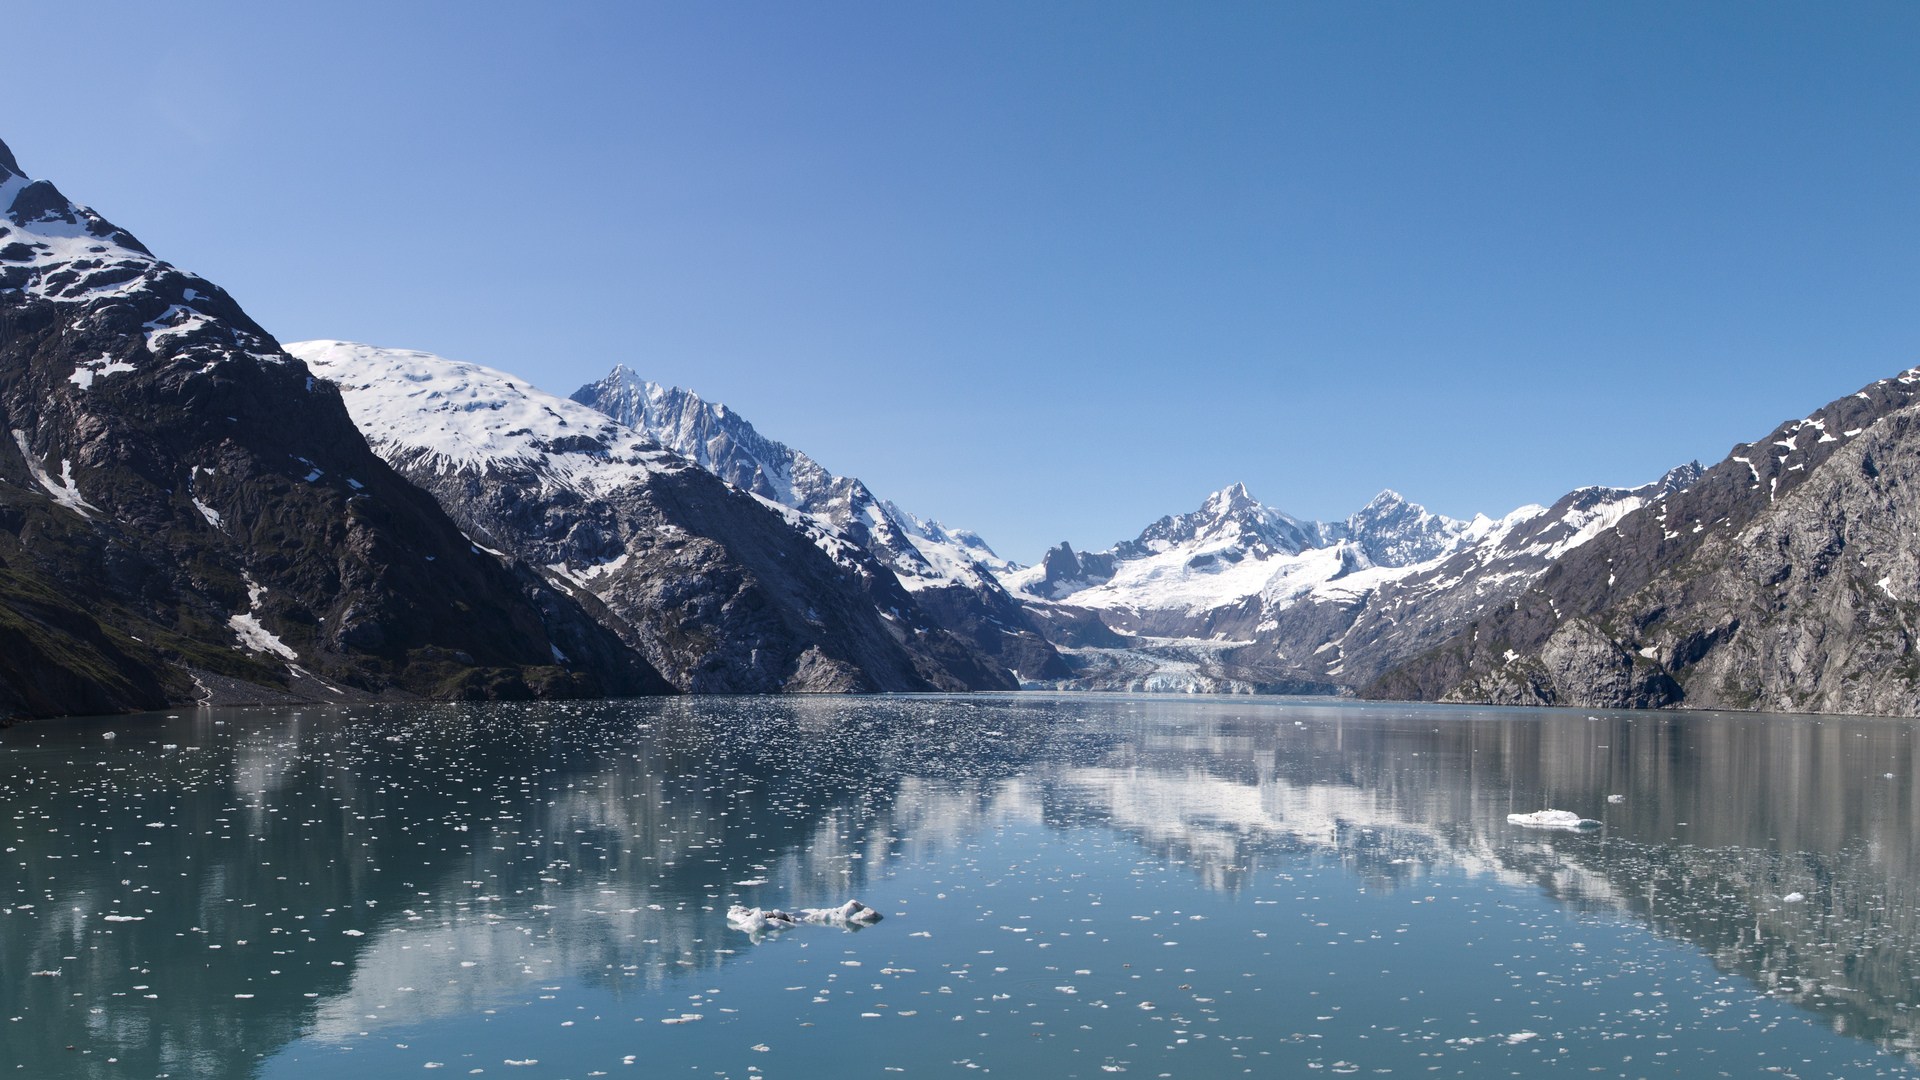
x=922, y=554
x=1235, y=551
x=464, y=416
x=47, y=231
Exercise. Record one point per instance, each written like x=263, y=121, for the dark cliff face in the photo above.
x=716, y=590
x=183, y=506
x=960, y=595
x=1782, y=579
x=721, y=590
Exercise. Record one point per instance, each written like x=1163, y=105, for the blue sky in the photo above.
x=1050, y=271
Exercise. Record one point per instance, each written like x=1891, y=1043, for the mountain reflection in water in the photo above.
x=199, y=892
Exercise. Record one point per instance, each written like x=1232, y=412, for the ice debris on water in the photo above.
x=1792, y=898
x=1616, y=798
x=1553, y=819
x=761, y=921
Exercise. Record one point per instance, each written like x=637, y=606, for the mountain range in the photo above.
x=190, y=512
x=720, y=588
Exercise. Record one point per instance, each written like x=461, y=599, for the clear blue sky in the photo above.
x=1052, y=270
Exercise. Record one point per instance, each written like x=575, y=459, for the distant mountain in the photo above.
x=186, y=514
x=1784, y=578
x=1240, y=597
x=722, y=590
x=951, y=573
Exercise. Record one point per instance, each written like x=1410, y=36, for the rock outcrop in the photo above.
x=1786, y=578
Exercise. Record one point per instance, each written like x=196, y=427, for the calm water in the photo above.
x=1073, y=887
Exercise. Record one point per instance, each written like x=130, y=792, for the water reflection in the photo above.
x=200, y=891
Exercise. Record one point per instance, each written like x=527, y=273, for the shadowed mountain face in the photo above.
x=1783, y=579
x=186, y=513
x=950, y=572
x=722, y=590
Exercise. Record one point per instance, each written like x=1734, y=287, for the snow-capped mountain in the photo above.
x=951, y=572
x=721, y=589
x=187, y=515
x=1241, y=596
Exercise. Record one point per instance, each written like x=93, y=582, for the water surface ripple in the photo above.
x=1074, y=886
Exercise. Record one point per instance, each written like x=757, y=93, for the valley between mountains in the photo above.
x=192, y=512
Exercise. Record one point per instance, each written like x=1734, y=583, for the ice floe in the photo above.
x=762, y=921
x=1553, y=819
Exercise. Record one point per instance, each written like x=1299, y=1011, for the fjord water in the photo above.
x=1074, y=886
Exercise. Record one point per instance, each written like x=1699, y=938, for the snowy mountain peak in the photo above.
x=713, y=437
x=1230, y=516
x=1395, y=532
x=53, y=247
x=923, y=554
x=465, y=416
x=1227, y=500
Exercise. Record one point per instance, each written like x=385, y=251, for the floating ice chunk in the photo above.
x=1521, y=1036
x=1553, y=819
x=851, y=912
x=1616, y=798
x=760, y=921
x=108, y=735
x=1793, y=898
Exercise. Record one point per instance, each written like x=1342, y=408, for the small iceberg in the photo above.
x=1793, y=898
x=760, y=922
x=1616, y=798
x=1553, y=819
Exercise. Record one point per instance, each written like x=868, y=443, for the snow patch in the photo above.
x=247, y=628
x=84, y=374
x=66, y=492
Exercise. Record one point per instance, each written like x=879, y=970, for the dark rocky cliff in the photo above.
x=949, y=572
x=1785, y=578
x=182, y=506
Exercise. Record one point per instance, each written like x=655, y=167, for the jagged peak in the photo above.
x=7, y=162
x=1227, y=500
x=1680, y=477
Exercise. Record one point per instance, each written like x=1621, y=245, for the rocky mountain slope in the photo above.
x=1239, y=597
x=186, y=513
x=1785, y=578
x=721, y=587
x=951, y=573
